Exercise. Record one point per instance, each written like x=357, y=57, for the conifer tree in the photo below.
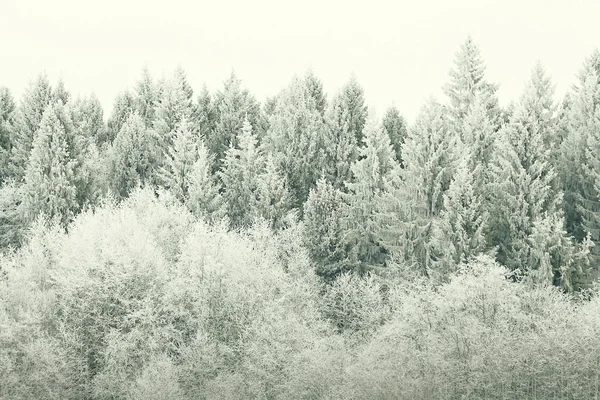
x=467, y=80
x=12, y=224
x=146, y=97
x=241, y=169
x=315, y=90
x=59, y=92
x=395, y=127
x=181, y=156
x=231, y=106
x=49, y=187
x=204, y=116
x=296, y=140
x=132, y=157
x=7, y=122
x=376, y=162
x=123, y=107
x=413, y=199
x=174, y=104
x=274, y=200
x=324, y=232
x=525, y=185
x=37, y=97
x=88, y=118
x=204, y=199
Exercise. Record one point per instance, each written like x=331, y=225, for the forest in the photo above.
x=197, y=245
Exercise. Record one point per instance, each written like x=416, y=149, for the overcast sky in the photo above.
x=400, y=51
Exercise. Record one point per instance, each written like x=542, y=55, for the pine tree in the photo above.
x=49, y=187
x=232, y=105
x=204, y=116
x=459, y=233
x=7, y=122
x=525, y=185
x=132, y=157
x=37, y=97
x=146, y=97
x=324, y=232
x=204, y=199
x=241, y=169
x=174, y=104
x=124, y=106
x=181, y=156
x=467, y=80
x=315, y=90
x=296, y=140
x=59, y=92
x=413, y=198
x=396, y=128
x=274, y=200
x=376, y=162
x=12, y=224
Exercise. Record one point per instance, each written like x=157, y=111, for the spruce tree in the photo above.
x=377, y=161
x=37, y=97
x=132, y=157
x=396, y=128
x=146, y=97
x=468, y=80
x=204, y=199
x=7, y=125
x=204, y=117
x=123, y=107
x=241, y=169
x=413, y=198
x=273, y=197
x=315, y=90
x=296, y=140
x=49, y=187
x=181, y=156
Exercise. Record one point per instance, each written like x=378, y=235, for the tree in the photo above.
x=88, y=118
x=49, y=187
x=174, y=104
x=274, y=200
x=396, y=128
x=59, y=92
x=181, y=156
x=205, y=116
x=315, y=89
x=132, y=157
x=324, y=232
x=146, y=97
x=231, y=106
x=376, y=163
x=413, y=198
x=204, y=199
x=525, y=185
x=296, y=141
x=123, y=107
x=241, y=169
x=37, y=97
x=467, y=80
x=7, y=122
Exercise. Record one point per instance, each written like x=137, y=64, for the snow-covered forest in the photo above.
x=189, y=244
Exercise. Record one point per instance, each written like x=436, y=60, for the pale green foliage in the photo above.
x=132, y=157
x=396, y=128
x=468, y=81
x=241, y=169
x=295, y=139
x=273, y=196
x=204, y=199
x=146, y=97
x=323, y=233
x=123, y=107
x=413, y=199
x=11, y=219
x=231, y=106
x=7, y=126
x=180, y=158
x=315, y=91
x=50, y=175
x=376, y=163
x=36, y=98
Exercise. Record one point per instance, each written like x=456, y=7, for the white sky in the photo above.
x=400, y=51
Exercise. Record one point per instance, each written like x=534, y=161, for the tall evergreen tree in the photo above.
x=7, y=125
x=525, y=185
x=60, y=92
x=204, y=116
x=232, y=105
x=274, y=200
x=123, y=107
x=204, y=199
x=241, y=169
x=37, y=97
x=49, y=187
x=413, y=199
x=146, y=97
x=467, y=80
x=296, y=140
x=132, y=157
x=181, y=156
x=377, y=161
x=315, y=90
x=396, y=128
